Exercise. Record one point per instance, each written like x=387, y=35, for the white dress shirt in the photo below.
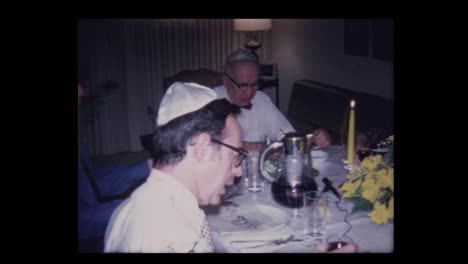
x=160, y=216
x=261, y=120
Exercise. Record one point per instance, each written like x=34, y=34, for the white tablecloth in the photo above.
x=369, y=236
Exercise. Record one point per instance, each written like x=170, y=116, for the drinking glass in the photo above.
x=254, y=177
x=316, y=211
x=295, y=199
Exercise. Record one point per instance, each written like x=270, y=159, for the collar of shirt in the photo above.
x=247, y=107
x=179, y=195
x=221, y=91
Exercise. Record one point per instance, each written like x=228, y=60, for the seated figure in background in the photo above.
x=100, y=191
x=367, y=142
x=259, y=117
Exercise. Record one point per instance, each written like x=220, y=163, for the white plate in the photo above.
x=318, y=157
x=251, y=220
x=380, y=150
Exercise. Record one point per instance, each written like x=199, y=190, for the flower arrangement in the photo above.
x=370, y=186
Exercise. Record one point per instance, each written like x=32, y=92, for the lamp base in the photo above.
x=252, y=48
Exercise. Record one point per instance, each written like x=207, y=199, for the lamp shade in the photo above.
x=252, y=24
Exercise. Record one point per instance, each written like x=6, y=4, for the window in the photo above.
x=369, y=38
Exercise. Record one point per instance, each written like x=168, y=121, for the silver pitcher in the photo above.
x=293, y=173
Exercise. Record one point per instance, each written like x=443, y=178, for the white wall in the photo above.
x=313, y=49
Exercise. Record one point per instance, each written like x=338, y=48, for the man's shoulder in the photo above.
x=147, y=208
x=166, y=195
x=261, y=94
x=262, y=97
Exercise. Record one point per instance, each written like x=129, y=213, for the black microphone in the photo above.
x=329, y=186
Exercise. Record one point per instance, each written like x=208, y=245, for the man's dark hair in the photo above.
x=170, y=140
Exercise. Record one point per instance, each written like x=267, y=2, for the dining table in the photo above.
x=254, y=222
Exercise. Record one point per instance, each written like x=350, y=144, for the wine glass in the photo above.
x=363, y=153
x=295, y=200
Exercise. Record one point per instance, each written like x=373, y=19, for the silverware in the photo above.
x=230, y=195
x=268, y=242
x=229, y=203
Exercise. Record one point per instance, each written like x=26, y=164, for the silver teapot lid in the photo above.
x=294, y=143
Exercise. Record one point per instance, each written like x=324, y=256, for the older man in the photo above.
x=197, y=152
x=259, y=117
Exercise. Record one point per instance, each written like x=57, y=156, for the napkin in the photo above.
x=248, y=220
x=251, y=222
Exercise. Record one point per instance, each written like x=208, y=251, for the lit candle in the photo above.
x=351, y=134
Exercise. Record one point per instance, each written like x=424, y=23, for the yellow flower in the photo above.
x=380, y=215
x=385, y=178
x=390, y=209
x=350, y=188
x=370, y=194
x=373, y=180
x=391, y=138
x=355, y=174
x=380, y=178
x=382, y=173
x=370, y=162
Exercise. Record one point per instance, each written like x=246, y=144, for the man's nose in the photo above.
x=251, y=91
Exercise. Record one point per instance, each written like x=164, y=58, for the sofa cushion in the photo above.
x=314, y=104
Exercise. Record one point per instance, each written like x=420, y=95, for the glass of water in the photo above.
x=254, y=177
x=316, y=210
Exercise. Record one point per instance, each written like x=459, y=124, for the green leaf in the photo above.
x=388, y=159
x=361, y=204
x=385, y=199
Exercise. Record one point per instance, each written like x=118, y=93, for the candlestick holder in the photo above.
x=348, y=167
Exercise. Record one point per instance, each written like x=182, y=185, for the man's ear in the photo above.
x=225, y=79
x=202, y=146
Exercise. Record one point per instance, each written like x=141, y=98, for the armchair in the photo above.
x=204, y=77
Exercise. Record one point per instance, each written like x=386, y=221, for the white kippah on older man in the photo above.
x=197, y=150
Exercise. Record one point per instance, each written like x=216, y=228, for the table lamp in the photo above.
x=252, y=27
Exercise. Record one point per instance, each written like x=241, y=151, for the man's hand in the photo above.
x=322, y=138
x=362, y=141
x=348, y=248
